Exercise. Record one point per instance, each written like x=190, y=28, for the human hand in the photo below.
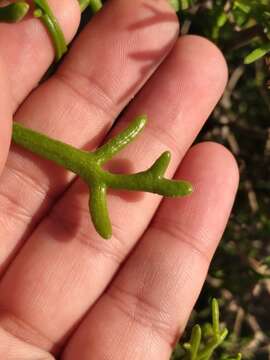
x=63, y=290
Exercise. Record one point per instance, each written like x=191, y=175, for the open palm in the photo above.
x=65, y=292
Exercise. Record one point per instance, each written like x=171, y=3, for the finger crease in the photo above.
x=142, y=312
x=165, y=137
x=29, y=181
x=89, y=91
x=85, y=237
x=23, y=331
x=172, y=228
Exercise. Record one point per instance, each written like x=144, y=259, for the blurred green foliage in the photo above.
x=204, y=341
x=239, y=275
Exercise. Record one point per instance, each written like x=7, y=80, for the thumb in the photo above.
x=5, y=114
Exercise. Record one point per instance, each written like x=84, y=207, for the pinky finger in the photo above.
x=5, y=115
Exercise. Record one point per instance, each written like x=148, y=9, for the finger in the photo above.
x=79, y=262
x=146, y=307
x=28, y=49
x=80, y=103
x=5, y=115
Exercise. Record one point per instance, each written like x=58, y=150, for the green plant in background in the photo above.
x=247, y=13
x=181, y=4
x=249, y=20
x=88, y=165
x=204, y=340
x=239, y=274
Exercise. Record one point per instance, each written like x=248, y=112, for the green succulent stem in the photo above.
x=44, y=12
x=60, y=153
x=13, y=13
x=116, y=144
x=99, y=210
x=215, y=318
x=195, y=342
x=88, y=165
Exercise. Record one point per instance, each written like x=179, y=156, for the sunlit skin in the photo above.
x=62, y=289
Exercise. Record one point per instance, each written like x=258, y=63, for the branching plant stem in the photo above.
x=196, y=350
x=88, y=166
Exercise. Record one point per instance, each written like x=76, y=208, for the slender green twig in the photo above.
x=44, y=12
x=13, y=13
x=88, y=165
x=195, y=342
